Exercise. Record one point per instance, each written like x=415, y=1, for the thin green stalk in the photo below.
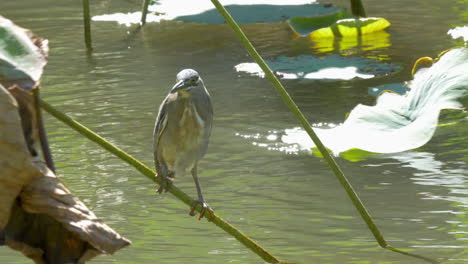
x=42, y=133
x=357, y=8
x=217, y=220
x=87, y=25
x=144, y=11
x=308, y=128
x=412, y=255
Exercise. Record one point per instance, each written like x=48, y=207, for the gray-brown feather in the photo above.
x=182, y=130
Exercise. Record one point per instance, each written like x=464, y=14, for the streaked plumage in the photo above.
x=182, y=131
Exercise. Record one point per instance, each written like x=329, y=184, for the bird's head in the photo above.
x=187, y=80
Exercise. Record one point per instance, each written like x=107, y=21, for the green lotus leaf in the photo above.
x=331, y=67
x=244, y=12
x=305, y=25
x=259, y=13
x=353, y=155
x=396, y=122
x=22, y=55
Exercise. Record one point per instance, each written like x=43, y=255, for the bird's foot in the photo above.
x=166, y=183
x=204, y=209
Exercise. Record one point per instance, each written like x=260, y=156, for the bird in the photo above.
x=181, y=133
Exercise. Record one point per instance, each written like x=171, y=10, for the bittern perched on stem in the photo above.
x=182, y=132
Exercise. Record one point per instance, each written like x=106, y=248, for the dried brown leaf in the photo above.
x=48, y=195
x=38, y=215
x=16, y=163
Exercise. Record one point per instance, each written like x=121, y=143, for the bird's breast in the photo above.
x=190, y=125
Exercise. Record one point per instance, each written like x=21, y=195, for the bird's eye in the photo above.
x=194, y=80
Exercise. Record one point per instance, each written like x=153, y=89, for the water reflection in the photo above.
x=433, y=172
x=430, y=171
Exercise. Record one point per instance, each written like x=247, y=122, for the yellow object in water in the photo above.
x=423, y=62
x=376, y=40
x=426, y=62
x=351, y=27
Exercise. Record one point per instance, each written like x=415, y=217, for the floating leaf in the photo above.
x=345, y=45
x=422, y=63
x=351, y=27
x=258, y=13
x=395, y=123
x=330, y=67
x=243, y=11
x=303, y=26
x=398, y=123
x=354, y=155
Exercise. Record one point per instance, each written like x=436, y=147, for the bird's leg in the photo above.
x=166, y=181
x=201, y=201
x=166, y=184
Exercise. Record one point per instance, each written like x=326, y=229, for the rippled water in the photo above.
x=290, y=203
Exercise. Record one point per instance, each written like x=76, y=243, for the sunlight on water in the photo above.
x=459, y=32
x=127, y=19
x=332, y=73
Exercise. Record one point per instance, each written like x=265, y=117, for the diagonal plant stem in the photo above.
x=308, y=128
x=217, y=220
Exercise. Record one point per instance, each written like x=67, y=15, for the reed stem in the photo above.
x=308, y=128
x=357, y=8
x=87, y=25
x=150, y=174
x=144, y=11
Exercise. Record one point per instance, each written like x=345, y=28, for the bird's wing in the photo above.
x=159, y=127
x=206, y=113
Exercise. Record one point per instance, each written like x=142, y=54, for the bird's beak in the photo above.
x=178, y=86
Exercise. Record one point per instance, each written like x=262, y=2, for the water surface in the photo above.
x=290, y=203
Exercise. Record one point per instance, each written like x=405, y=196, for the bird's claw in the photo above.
x=204, y=209
x=166, y=183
